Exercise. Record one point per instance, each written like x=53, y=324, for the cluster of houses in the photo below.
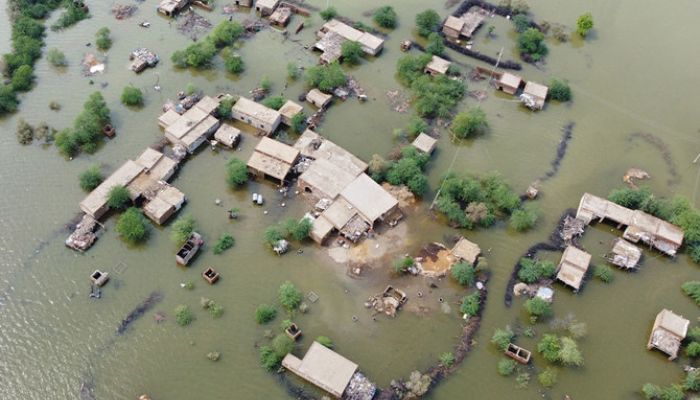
x=334, y=33
x=533, y=94
x=464, y=26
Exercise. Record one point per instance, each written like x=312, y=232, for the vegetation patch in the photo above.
x=75, y=12
x=86, y=133
x=224, y=243
x=325, y=77
x=289, y=296
x=182, y=229
x=132, y=96
x=433, y=96
x=103, y=40
x=236, y=173
x=132, y=226
x=118, y=198
x=265, y=313
x=200, y=55
x=90, y=178
x=427, y=22
x=385, y=17
x=183, y=315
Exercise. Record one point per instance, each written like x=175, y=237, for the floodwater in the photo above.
x=634, y=75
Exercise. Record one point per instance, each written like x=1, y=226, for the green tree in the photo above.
x=25, y=132
x=506, y=366
x=8, y=99
x=351, y=51
x=464, y=273
x=584, y=24
x=326, y=77
x=265, y=83
x=548, y=377
x=265, y=313
x=693, y=350
x=132, y=96
x=118, y=198
x=103, y=39
x=226, y=33
x=470, y=304
x=549, y=347
x=289, y=296
x=531, y=44
x=325, y=340
x=329, y=13
x=299, y=230
x=273, y=235
x=132, y=226
x=521, y=22
x=692, y=290
x=692, y=381
x=559, y=90
x=22, y=78
x=522, y=219
x=282, y=345
x=427, y=22
x=470, y=123
x=293, y=71
x=502, y=337
x=416, y=126
x=224, y=108
x=569, y=354
x=232, y=61
x=435, y=45
x=385, y=17
x=532, y=271
x=538, y=307
x=224, y=243
x=198, y=55
x=299, y=122
x=183, y=315
x=56, y=58
x=269, y=359
x=236, y=173
x=90, y=178
x=182, y=229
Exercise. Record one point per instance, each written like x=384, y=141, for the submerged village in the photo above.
x=314, y=200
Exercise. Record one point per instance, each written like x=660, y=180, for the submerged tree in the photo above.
x=385, y=17
x=584, y=24
x=470, y=123
x=289, y=296
x=132, y=226
x=427, y=22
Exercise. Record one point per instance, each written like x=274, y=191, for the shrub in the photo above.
x=385, y=17
x=236, y=173
x=402, y=265
x=132, y=226
x=118, y=198
x=299, y=122
x=86, y=132
x=224, y=109
x=521, y=22
x=224, y=243
x=416, y=126
x=269, y=359
x=470, y=123
x=71, y=16
x=584, y=24
x=692, y=290
x=289, y=296
x=293, y=71
x=232, y=61
x=549, y=347
x=569, y=354
x=409, y=171
x=25, y=132
x=464, y=273
x=274, y=102
x=604, y=273
x=693, y=350
x=197, y=55
x=532, y=271
x=182, y=229
x=538, y=307
x=692, y=381
x=90, y=178
x=524, y=218
x=325, y=77
x=447, y=359
x=352, y=52
x=282, y=345
x=183, y=315
x=56, y=58
x=265, y=313
x=559, y=90
x=506, y=366
x=326, y=341
x=226, y=33
x=522, y=379
x=266, y=84
x=297, y=229
x=531, y=44
x=502, y=337
x=8, y=99
x=435, y=44
x=273, y=235
x=548, y=377
x=103, y=40
x=22, y=78
x=132, y=96
x=470, y=304
x=427, y=22
x=329, y=13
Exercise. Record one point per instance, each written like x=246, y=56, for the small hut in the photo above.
x=625, y=254
x=668, y=332
x=573, y=266
x=425, y=143
x=318, y=98
x=452, y=27
x=289, y=110
x=228, y=136
x=466, y=250
x=534, y=95
x=437, y=66
x=509, y=83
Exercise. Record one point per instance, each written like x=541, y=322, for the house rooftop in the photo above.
x=290, y=109
x=425, y=143
x=454, y=23
x=273, y=158
x=256, y=110
x=438, y=64
x=207, y=104
x=342, y=29
x=536, y=90
x=573, y=266
x=168, y=118
x=593, y=207
x=625, y=254
x=327, y=177
x=94, y=203
x=227, y=134
x=186, y=122
x=158, y=166
x=472, y=20
x=339, y=213
x=370, y=41
x=466, y=250
x=323, y=367
x=369, y=198
x=667, y=333
x=318, y=98
x=277, y=149
x=510, y=80
x=313, y=145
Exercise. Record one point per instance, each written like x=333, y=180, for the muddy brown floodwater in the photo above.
x=637, y=73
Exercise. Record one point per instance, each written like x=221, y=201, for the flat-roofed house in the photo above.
x=281, y=16
x=168, y=118
x=573, y=266
x=272, y=159
x=425, y=143
x=314, y=146
x=193, y=127
x=266, y=7
x=170, y=7
x=371, y=201
x=655, y=232
x=321, y=229
x=592, y=207
x=166, y=202
x=437, y=66
x=289, y=110
x=228, y=135
x=157, y=165
x=509, y=83
x=256, y=115
x=325, y=179
x=625, y=254
x=466, y=250
x=371, y=44
x=95, y=203
x=333, y=33
x=318, y=98
x=668, y=332
x=534, y=95
x=472, y=21
x=452, y=28
x=323, y=367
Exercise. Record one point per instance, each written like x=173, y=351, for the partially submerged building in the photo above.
x=256, y=115
x=465, y=25
x=281, y=16
x=668, y=332
x=534, y=95
x=573, y=267
x=509, y=83
x=437, y=66
x=464, y=250
x=332, y=35
x=228, y=135
x=424, y=143
x=272, y=159
x=328, y=370
x=164, y=204
x=624, y=254
x=266, y=7
x=171, y=7
x=290, y=110
x=193, y=127
x=142, y=58
x=95, y=203
x=318, y=98
x=372, y=202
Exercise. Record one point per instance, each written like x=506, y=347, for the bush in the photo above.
x=352, y=52
x=118, y=198
x=216, y=310
x=236, y=173
x=548, y=377
x=693, y=350
x=132, y=96
x=409, y=171
x=428, y=22
x=692, y=381
x=522, y=379
x=293, y=71
x=71, y=16
x=265, y=313
x=22, y=78
x=569, y=354
x=521, y=22
x=447, y=359
x=224, y=109
x=538, y=307
x=433, y=96
x=232, y=61
x=266, y=84
x=325, y=77
x=226, y=33
x=182, y=229
x=692, y=290
x=584, y=24
x=197, y=55
x=90, y=178
x=604, y=273
x=402, y=265
x=297, y=229
x=8, y=100
x=224, y=243
x=559, y=90
x=694, y=334
x=470, y=123
x=273, y=235
x=289, y=296
x=132, y=226
x=25, y=132
x=103, y=40
x=269, y=359
x=524, y=218
x=506, y=366
x=435, y=44
x=532, y=271
x=416, y=126
x=56, y=58
x=549, y=347
x=470, y=304
x=86, y=132
x=651, y=391
x=502, y=337
x=299, y=122
x=183, y=315
x=329, y=13
x=282, y=345
x=385, y=17
x=325, y=340
x=274, y=102
x=531, y=44
x=464, y=273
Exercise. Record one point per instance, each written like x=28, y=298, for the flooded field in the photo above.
x=635, y=75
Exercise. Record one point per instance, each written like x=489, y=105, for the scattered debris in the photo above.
x=85, y=234
x=281, y=247
x=214, y=355
x=159, y=317
x=632, y=174
x=398, y=100
x=360, y=388
x=142, y=58
x=92, y=65
x=388, y=302
x=406, y=45
x=194, y=25
x=479, y=95
x=122, y=11
x=624, y=254
x=189, y=249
